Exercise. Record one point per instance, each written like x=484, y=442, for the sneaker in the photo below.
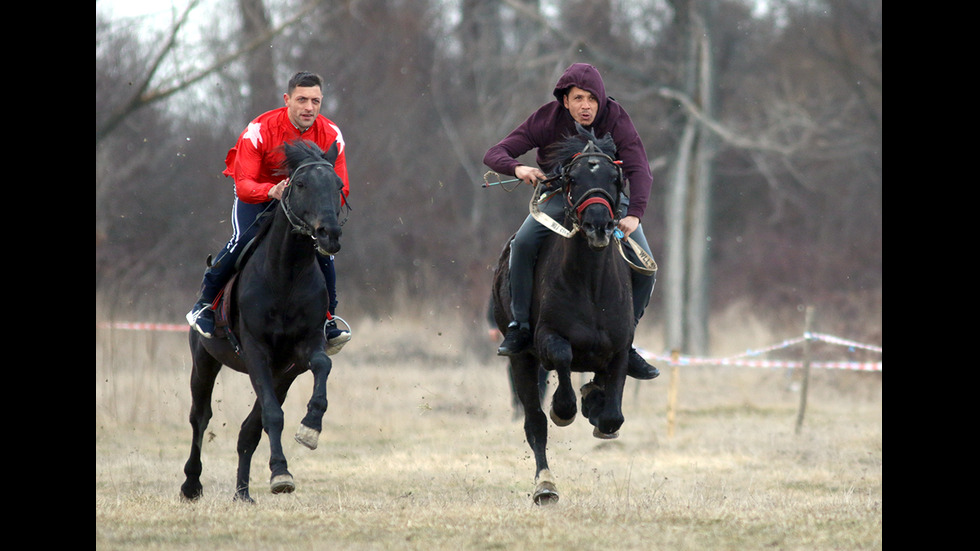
x=201, y=318
x=516, y=340
x=336, y=337
x=638, y=368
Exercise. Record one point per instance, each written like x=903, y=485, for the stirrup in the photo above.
x=334, y=345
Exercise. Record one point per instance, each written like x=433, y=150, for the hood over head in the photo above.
x=586, y=77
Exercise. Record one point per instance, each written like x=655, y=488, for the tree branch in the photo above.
x=144, y=96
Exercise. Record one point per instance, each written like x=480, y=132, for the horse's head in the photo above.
x=593, y=182
x=313, y=199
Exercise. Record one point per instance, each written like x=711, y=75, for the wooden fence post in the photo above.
x=804, y=388
x=672, y=392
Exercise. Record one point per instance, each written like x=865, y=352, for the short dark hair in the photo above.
x=304, y=79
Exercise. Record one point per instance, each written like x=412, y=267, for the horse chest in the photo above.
x=292, y=319
x=569, y=298
x=593, y=323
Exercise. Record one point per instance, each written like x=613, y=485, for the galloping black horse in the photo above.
x=581, y=308
x=278, y=306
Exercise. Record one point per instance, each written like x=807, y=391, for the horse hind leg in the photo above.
x=524, y=372
x=248, y=440
x=203, y=374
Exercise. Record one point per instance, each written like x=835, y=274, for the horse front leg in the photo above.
x=556, y=354
x=203, y=374
x=309, y=430
x=602, y=398
x=270, y=394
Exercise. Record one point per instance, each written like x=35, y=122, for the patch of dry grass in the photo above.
x=420, y=451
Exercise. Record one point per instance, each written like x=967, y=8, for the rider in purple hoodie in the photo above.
x=580, y=97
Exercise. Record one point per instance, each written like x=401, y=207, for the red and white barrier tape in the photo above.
x=741, y=359
x=766, y=364
x=737, y=360
x=140, y=326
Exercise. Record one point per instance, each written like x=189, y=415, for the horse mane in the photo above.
x=561, y=151
x=295, y=153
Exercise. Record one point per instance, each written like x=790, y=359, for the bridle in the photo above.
x=300, y=225
x=592, y=196
x=575, y=207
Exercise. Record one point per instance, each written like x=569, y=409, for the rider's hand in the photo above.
x=628, y=225
x=531, y=175
x=275, y=192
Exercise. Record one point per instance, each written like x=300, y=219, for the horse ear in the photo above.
x=331, y=154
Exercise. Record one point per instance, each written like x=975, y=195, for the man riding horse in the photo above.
x=580, y=98
x=254, y=163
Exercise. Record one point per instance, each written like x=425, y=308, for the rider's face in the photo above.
x=303, y=105
x=582, y=104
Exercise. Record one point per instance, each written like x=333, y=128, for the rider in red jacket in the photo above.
x=254, y=163
x=257, y=156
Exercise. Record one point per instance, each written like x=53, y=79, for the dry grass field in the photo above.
x=420, y=450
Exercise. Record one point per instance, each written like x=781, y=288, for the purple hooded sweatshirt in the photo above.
x=552, y=122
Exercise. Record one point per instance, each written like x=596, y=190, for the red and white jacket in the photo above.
x=255, y=160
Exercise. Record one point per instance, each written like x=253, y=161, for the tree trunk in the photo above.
x=259, y=63
x=687, y=284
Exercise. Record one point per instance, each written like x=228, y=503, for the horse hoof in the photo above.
x=307, y=436
x=603, y=436
x=191, y=491
x=545, y=494
x=588, y=388
x=283, y=484
x=558, y=420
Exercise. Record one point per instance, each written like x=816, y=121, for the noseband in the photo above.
x=299, y=225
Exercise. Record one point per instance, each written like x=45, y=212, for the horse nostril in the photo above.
x=323, y=232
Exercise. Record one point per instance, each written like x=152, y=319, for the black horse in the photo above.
x=581, y=308
x=275, y=319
